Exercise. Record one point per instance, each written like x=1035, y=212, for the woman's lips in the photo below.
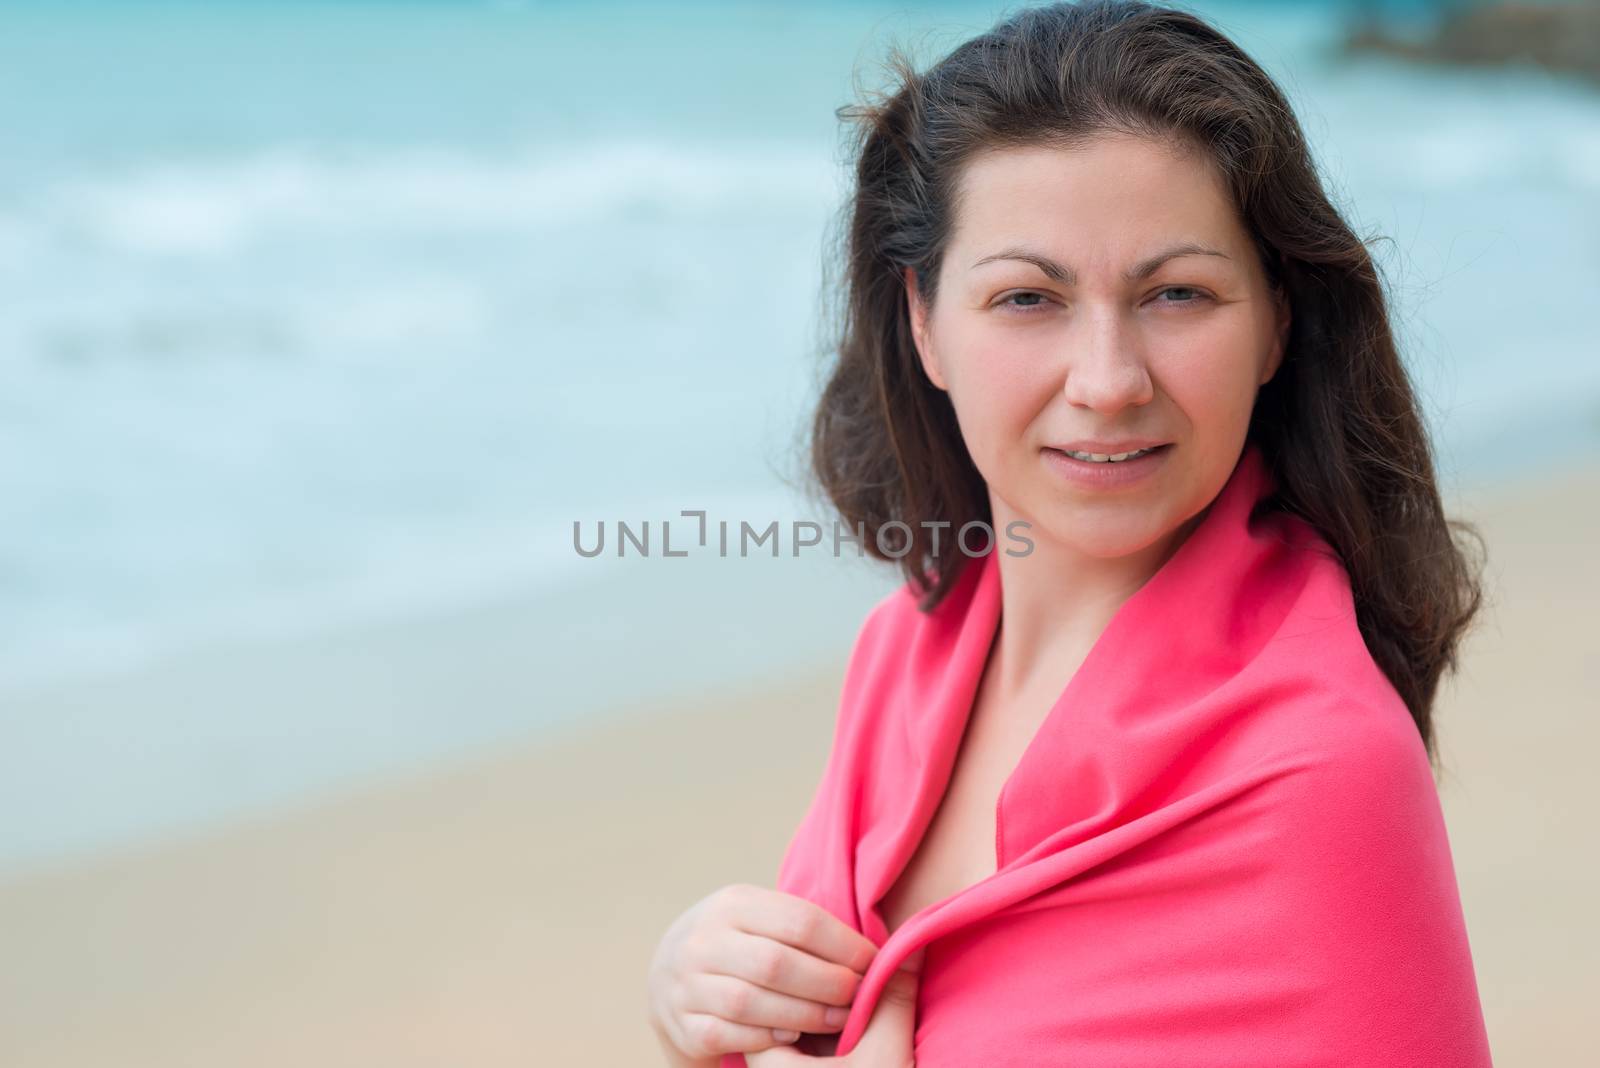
x=1109, y=474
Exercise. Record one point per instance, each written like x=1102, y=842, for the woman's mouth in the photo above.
x=1108, y=470
x=1115, y=457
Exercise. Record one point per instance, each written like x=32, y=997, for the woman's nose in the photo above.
x=1105, y=365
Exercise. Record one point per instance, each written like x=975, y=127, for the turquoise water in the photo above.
x=322, y=313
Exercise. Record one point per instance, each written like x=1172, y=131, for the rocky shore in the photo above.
x=1563, y=38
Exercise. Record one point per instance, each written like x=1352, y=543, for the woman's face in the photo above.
x=1059, y=319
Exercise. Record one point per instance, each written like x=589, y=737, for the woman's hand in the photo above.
x=747, y=968
x=887, y=1041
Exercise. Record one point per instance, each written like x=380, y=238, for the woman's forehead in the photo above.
x=1128, y=195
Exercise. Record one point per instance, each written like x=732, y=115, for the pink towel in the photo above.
x=1224, y=846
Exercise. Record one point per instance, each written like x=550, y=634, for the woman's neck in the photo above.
x=1056, y=601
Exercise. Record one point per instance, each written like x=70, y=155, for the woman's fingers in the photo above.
x=802, y=924
x=746, y=963
x=705, y=1031
x=889, y=1040
x=780, y=967
x=743, y=1002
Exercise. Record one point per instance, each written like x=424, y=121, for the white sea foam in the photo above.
x=219, y=207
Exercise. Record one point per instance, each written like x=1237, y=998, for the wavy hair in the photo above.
x=1338, y=424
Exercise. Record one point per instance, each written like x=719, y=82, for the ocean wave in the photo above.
x=200, y=207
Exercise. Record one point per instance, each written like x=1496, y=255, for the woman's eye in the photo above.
x=1196, y=296
x=1029, y=300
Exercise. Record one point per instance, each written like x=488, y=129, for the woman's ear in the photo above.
x=1280, y=340
x=919, y=331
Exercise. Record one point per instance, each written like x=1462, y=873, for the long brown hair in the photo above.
x=1338, y=424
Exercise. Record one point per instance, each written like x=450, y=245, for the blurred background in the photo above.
x=322, y=325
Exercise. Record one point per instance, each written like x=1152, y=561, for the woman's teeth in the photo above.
x=1111, y=458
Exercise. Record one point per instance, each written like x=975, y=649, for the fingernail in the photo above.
x=836, y=1017
x=785, y=1036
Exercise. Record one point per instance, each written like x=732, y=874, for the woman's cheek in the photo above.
x=1212, y=390
x=997, y=409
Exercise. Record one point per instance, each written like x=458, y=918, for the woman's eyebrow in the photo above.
x=1067, y=276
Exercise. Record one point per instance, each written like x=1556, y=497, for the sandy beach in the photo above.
x=501, y=910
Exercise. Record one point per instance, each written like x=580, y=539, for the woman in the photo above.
x=1156, y=788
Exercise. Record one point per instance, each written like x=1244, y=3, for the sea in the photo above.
x=318, y=315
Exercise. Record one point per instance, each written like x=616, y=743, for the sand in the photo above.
x=502, y=910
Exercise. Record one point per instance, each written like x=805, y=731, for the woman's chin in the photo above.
x=1099, y=542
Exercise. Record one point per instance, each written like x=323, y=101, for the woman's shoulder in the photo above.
x=881, y=639
x=895, y=644
x=898, y=614
x=894, y=614
x=1346, y=763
